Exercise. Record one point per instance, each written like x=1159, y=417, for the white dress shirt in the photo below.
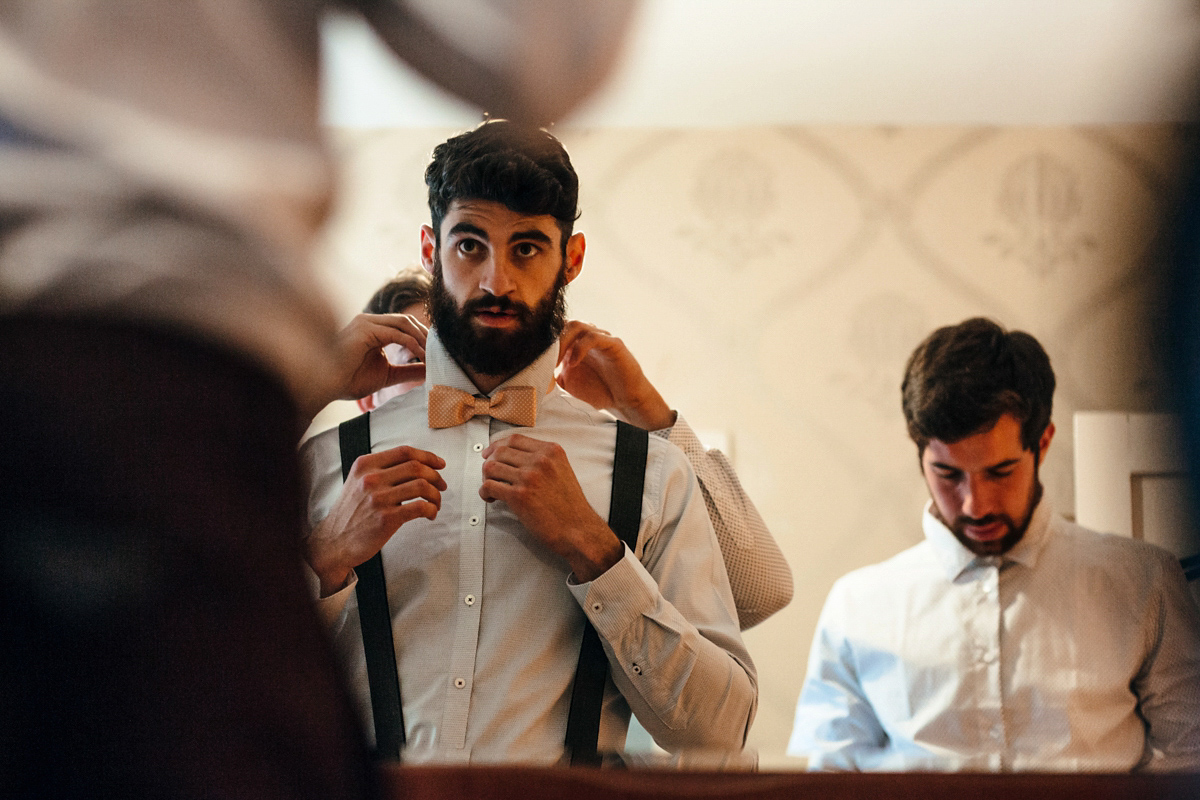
x=486, y=623
x=1075, y=651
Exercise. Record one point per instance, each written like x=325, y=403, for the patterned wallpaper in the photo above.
x=772, y=281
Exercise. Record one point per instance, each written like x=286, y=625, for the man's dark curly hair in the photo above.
x=964, y=377
x=519, y=166
x=402, y=291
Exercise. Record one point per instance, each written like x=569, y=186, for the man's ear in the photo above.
x=428, y=248
x=574, y=260
x=1044, y=442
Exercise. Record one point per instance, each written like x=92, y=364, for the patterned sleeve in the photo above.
x=758, y=574
x=1168, y=685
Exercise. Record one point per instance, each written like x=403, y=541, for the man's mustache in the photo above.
x=492, y=303
x=982, y=521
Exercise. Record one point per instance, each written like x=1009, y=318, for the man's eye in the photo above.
x=527, y=250
x=469, y=247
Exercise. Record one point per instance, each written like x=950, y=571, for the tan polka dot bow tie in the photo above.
x=449, y=406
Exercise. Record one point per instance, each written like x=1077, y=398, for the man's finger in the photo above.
x=577, y=338
x=511, y=456
x=409, y=491
x=402, y=373
x=516, y=441
x=401, y=329
x=491, y=491
x=501, y=471
x=416, y=508
x=571, y=332
x=397, y=455
x=411, y=471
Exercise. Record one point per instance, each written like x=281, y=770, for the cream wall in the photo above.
x=772, y=282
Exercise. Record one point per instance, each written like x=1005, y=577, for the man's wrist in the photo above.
x=598, y=558
x=332, y=576
x=653, y=415
x=332, y=583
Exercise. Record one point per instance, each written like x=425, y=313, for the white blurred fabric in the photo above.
x=180, y=174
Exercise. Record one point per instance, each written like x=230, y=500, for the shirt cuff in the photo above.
x=618, y=597
x=682, y=436
x=329, y=608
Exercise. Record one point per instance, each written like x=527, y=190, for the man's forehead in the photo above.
x=496, y=218
x=1000, y=443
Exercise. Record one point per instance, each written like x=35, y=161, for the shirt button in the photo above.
x=637, y=670
x=597, y=607
x=459, y=683
x=469, y=599
x=477, y=447
x=474, y=520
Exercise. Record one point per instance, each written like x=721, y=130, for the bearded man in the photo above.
x=1010, y=639
x=493, y=545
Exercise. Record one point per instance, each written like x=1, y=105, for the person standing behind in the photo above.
x=1010, y=639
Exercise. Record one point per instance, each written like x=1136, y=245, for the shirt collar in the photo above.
x=442, y=370
x=955, y=559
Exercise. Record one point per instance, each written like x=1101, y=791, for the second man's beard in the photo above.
x=1009, y=540
x=491, y=352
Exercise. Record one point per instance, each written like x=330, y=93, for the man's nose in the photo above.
x=977, y=498
x=496, y=278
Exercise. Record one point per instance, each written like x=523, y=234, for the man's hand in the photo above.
x=363, y=366
x=383, y=491
x=598, y=368
x=536, y=481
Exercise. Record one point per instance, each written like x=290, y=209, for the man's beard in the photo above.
x=491, y=352
x=1008, y=541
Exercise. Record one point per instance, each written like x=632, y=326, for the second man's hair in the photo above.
x=963, y=378
x=402, y=291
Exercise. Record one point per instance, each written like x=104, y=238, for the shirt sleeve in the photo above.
x=1168, y=686
x=835, y=726
x=758, y=573
x=321, y=465
x=667, y=621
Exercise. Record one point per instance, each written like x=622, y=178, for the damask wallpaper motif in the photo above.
x=772, y=282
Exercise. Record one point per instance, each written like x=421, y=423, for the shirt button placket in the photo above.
x=470, y=581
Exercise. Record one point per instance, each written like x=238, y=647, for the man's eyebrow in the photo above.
x=533, y=234
x=1009, y=462
x=467, y=228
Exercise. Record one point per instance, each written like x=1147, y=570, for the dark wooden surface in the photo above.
x=529, y=783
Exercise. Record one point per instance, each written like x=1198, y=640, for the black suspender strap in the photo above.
x=354, y=437
x=624, y=517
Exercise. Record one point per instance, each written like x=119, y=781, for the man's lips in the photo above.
x=985, y=530
x=495, y=317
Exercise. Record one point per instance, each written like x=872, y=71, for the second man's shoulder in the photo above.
x=913, y=566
